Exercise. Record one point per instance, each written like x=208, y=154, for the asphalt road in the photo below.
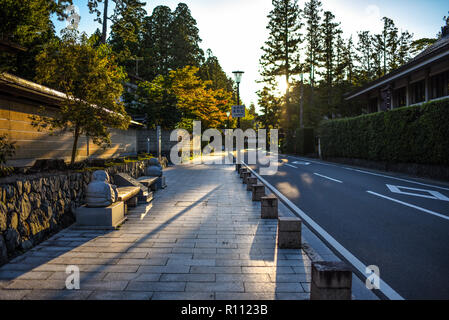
x=398, y=223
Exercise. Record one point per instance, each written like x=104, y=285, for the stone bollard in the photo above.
x=243, y=170
x=245, y=177
x=258, y=191
x=269, y=208
x=237, y=167
x=330, y=281
x=250, y=181
x=289, y=233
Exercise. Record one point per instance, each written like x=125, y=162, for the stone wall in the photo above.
x=35, y=207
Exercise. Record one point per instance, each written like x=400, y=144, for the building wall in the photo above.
x=31, y=144
x=142, y=141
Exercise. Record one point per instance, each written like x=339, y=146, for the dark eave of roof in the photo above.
x=438, y=48
x=21, y=88
x=18, y=87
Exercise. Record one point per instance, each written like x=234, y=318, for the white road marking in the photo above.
x=301, y=163
x=388, y=291
x=435, y=195
x=399, y=179
x=374, y=174
x=320, y=175
x=291, y=166
x=410, y=205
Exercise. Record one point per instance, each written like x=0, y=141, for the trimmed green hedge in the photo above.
x=299, y=141
x=305, y=141
x=417, y=134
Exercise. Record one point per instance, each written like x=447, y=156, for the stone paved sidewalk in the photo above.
x=201, y=238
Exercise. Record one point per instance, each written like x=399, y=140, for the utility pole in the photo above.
x=238, y=79
x=238, y=102
x=301, y=102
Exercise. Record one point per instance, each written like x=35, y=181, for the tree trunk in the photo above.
x=105, y=21
x=76, y=135
x=301, y=104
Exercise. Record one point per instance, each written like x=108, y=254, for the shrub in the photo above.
x=418, y=134
x=305, y=141
x=7, y=149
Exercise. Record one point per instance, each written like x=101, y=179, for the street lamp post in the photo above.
x=238, y=79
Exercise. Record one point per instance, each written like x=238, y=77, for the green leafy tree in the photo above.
x=250, y=119
x=420, y=44
x=365, y=57
x=329, y=57
x=385, y=44
x=102, y=15
x=23, y=21
x=92, y=83
x=156, y=100
x=270, y=107
x=28, y=24
x=197, y=101
x=126, y=29
x=281, y=49
x=312, y=11
x=157, y=43
x=170, y=41
x=212, y=71
x=185, y=49
x=404, y=52
x=444, y=27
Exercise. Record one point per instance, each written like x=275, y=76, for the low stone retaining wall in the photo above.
x=34, y=207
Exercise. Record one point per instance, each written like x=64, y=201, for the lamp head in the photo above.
x=238, y=76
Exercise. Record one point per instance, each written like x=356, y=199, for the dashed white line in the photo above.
x=400, y=179
x=411, y=205
x=291, y=166
x=320, y=175
x=374, y=174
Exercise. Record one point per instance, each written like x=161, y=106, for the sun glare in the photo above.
x=281, y=85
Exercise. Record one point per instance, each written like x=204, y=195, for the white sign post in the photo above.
x=238, y=111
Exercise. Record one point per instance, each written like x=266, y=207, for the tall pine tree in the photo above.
x=282, y=47
x=312, y=11
x=281, y=50
x=185, y=49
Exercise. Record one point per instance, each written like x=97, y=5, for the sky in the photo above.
x=235, y=30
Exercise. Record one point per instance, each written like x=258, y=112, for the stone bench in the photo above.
x=150, y=182
x=128, y=195
x=100, y=218
x=124, y=180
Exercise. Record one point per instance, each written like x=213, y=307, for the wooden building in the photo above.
x=424, y=78
x=20, y=99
